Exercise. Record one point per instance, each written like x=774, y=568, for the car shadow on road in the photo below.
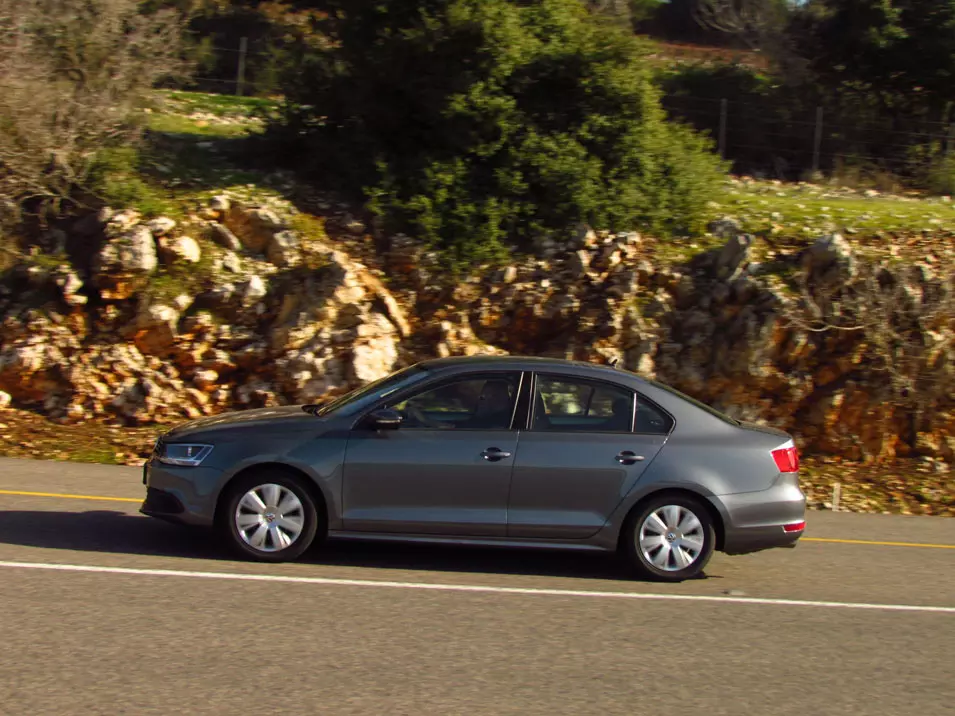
x=115, y=532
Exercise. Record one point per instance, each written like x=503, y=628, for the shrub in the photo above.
x=477, y=125
x=71, y=75
x=940, y=176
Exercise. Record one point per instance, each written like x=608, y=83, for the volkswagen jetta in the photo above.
x=489, y=450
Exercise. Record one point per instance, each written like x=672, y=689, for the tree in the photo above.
x=901, y=52
x=479, y=124
x=71, y=77
x=757, y=23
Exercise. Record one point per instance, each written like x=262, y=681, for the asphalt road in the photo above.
x=105, y=611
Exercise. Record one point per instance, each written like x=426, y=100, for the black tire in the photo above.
x=644, y=566
x=229, y=530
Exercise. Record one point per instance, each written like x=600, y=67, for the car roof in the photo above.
x=523, y=363
x=682, y=406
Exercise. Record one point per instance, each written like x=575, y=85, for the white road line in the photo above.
x=471, y=587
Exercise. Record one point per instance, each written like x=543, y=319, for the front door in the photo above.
x=580, y=458
x=446, y=470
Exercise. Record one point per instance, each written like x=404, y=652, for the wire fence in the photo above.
x=761, y=137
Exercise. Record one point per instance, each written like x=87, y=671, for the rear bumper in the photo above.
x=754, y=521
x=756, y=539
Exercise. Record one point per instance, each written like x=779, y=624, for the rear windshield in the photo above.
x=693, y=401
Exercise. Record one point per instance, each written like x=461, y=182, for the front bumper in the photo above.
x=185, y=495
x=754, y=521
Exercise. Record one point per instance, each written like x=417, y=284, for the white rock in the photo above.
x=123, y=221
x=157, y=329
x=376, y=353
x=283, y=249
x=206, y=379
x=161, y=226
x=223, y=236
x=134, y=252
x=255, y=289
x=185, y=248
x=220, y=203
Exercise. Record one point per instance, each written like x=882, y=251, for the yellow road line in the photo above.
x=21, y=493
x=876, y=542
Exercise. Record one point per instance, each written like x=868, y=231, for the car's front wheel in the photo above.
x=670, y=538
x=269, y=516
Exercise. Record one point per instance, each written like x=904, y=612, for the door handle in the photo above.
x=493, y=454
x=627, y=457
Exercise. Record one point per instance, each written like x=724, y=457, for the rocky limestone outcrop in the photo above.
x=854, y=356
x=268, y=328
x=857, y=362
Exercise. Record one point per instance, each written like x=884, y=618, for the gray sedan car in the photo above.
x=494, y=451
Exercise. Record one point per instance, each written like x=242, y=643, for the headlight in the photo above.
x=182, y=454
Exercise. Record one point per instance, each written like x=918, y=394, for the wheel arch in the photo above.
x=718, y=523
x=314, y=491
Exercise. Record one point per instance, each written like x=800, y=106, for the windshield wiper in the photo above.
x=313, y=408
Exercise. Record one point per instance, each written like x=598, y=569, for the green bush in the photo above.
x=480, y=124
x=940, y=176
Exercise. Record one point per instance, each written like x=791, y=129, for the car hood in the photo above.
x=255, y=418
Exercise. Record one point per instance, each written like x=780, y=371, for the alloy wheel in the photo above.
x=270, y=517
x=671, y=538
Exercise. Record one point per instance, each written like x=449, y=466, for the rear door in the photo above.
x=580, y=456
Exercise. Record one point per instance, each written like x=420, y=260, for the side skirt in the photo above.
x=463, y=540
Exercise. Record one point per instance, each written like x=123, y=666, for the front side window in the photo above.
x=484, y=403
x=569, y=404
x=356, y=400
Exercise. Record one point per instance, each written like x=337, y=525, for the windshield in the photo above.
x=693, y=401
x=360, y=397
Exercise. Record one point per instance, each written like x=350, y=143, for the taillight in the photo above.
x=795, y=527
x=787, y=459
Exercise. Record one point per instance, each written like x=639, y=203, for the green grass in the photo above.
x=180, y=278
x=806, y=211
x=682, y=250
x=102, y=456
x=183, y=125
x=221, y=105
x=182, y=155
x=219, y=116
x=310, y=227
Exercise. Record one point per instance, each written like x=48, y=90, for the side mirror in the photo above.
x=384, y=419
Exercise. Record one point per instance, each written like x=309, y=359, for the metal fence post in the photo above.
x=817, y=141
x=722, y=137
x=240, y=72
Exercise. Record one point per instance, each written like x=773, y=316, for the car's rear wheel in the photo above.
x=269, y=516
x=670, y=538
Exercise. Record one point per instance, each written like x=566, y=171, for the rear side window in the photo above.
x=650, y=419
x=568, y=404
